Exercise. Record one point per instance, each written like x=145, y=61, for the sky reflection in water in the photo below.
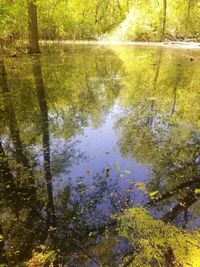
x=125, y=119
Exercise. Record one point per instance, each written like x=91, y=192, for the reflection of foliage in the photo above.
x=76, y=94
x=156, y=244
x=95, y=202
x=160, y=129
x=85, y=212
x=65, y=156
x=44, y=258
x=85, y=216
x=73, y=98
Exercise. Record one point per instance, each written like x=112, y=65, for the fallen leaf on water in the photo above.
x=152, y=194
x=117, y=167
x=197, y=191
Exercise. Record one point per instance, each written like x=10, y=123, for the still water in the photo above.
x=87, y=132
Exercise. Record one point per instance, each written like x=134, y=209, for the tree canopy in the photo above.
x=92, y=19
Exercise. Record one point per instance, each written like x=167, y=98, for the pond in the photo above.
x=88, y=131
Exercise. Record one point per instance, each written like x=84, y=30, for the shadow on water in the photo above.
x=44, y=120
x=86, y=133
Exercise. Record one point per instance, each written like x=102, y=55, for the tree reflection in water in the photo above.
x=47, y=105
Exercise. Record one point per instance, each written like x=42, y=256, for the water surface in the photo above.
x=88, y=131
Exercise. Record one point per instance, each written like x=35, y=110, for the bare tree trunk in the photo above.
x=164, y=20
x=33, y=27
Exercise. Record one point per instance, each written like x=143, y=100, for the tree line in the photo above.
x=133, y=20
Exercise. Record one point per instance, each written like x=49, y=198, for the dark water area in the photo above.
x=87, y=132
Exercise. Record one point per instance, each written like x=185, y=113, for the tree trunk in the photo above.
x=32, y=27
x=187, y=18
x=164, y=20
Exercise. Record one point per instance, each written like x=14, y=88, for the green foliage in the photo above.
x=13, y=19
x=144, y=21
x=71, y=19
x=155, y=243
x=92, y=19
x=141, y=23
x=5, y=19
